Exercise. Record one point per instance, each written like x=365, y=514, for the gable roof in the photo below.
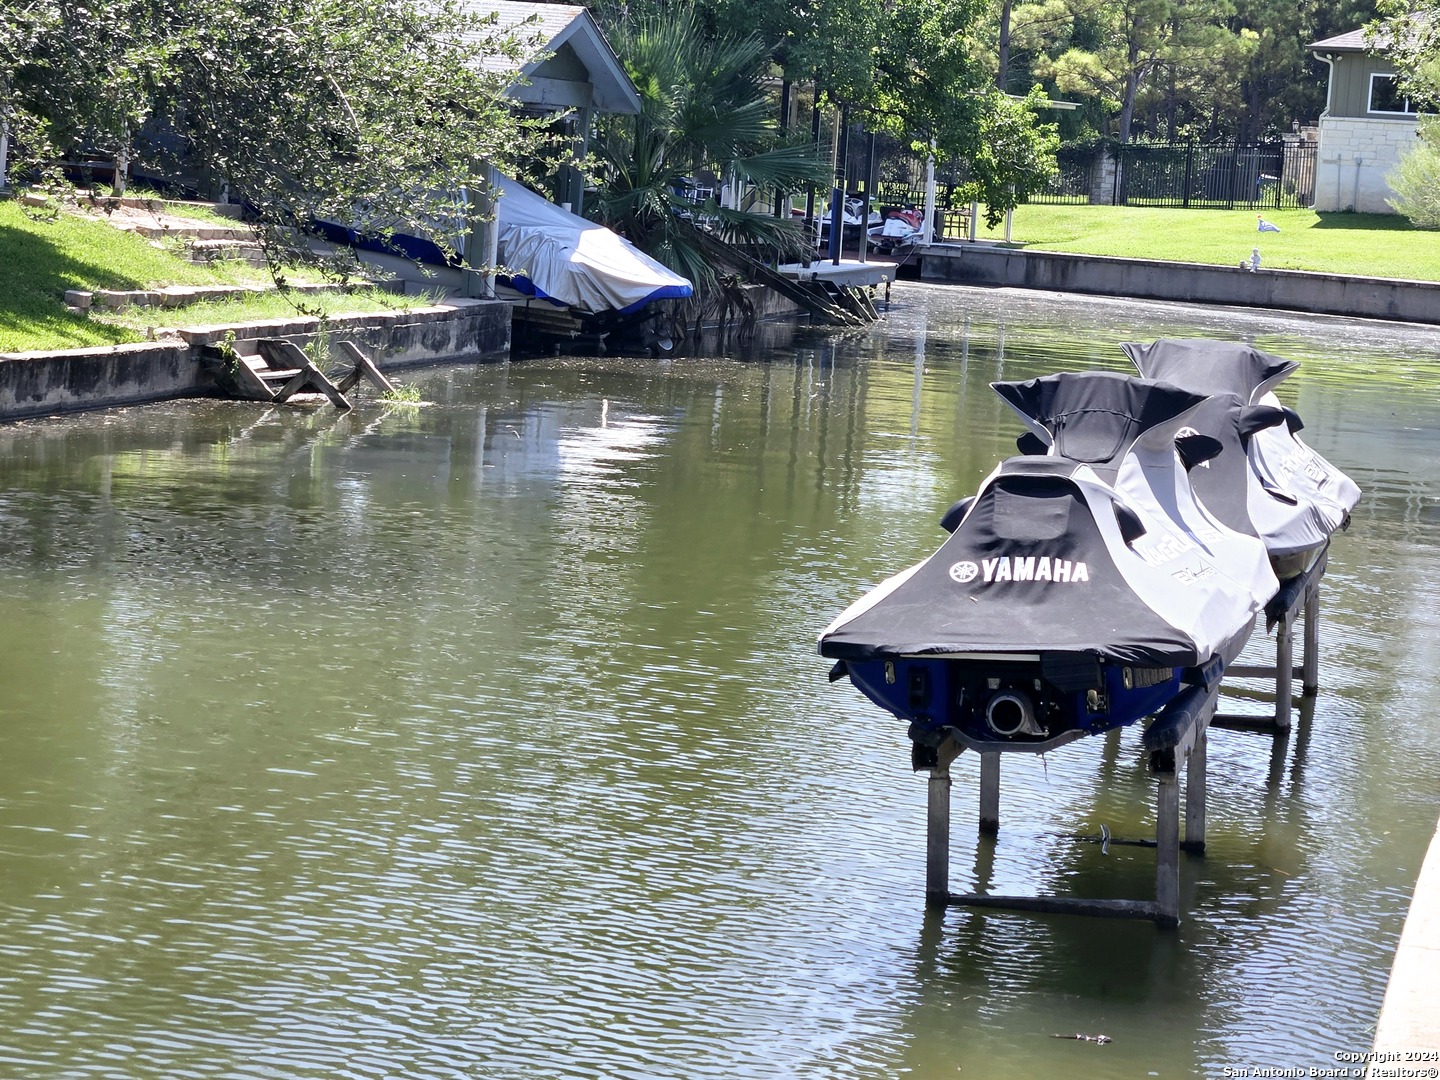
x=1352, y=41
x=1376, y=37
x=581, y=70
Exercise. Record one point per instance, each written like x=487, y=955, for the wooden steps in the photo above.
x=282, y=371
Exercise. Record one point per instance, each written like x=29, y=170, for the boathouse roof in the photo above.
x=578, y=70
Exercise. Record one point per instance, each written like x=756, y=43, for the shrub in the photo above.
x=1416, y=179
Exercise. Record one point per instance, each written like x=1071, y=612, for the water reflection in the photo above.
x=488, y=738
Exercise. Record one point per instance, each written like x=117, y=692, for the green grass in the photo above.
x=40, y=260
x=1367, y=245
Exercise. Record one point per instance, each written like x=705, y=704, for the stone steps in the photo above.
x=246, y=251
x=176, y=296
x=187, y=231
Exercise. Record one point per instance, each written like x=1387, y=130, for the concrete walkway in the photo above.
x=1407, y=1037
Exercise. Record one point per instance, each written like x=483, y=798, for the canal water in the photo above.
x=487, y=739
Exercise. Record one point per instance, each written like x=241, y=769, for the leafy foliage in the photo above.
x=705, y=107
x=1016, y=156
x=1416, y=179
x=909, y=68
x=1121, y=47
x=1206, y=69
x=301, y=109
x=1410, y=35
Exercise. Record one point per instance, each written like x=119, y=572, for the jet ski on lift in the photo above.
x=1083, y=588
x=1266, y=481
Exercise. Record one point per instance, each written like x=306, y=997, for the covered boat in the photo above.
x=551, y=254
x=1083, y=588
x=568, y=277
x=1267, y=480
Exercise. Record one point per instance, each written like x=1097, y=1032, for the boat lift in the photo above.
x=1176, y=739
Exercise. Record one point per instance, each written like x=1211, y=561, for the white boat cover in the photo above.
x=555, y=255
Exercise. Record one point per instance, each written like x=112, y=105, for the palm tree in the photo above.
x=704, y=106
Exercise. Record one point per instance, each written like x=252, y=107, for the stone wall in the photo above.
x=1355, y=156
x=46, y=383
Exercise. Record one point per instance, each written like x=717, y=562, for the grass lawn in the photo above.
x=41, y=259
x=1369, y=245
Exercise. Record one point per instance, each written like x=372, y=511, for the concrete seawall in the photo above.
x=1407, y=1036
x=1194, y=283
x=47, y=383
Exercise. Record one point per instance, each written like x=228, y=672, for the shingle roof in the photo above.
x=549, y=19
x=557, y=25
x=1353, y=41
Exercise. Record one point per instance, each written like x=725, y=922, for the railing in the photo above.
x=1213, y=176
x=1217, y=176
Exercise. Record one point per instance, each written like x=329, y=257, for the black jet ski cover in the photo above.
x=1295, y=498
x=1048, y=556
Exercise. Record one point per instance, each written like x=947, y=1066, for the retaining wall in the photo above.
x=1293, y=290
x=44, y=383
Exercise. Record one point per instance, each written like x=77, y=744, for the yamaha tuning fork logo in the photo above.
x=1020, y=568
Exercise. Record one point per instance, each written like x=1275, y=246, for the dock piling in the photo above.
x=990, y=794
x=937, y=827
x=1310, y=670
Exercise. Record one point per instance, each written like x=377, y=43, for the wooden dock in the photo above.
x=846, y=272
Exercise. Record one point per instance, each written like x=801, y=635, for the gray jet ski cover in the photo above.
x=1098, y=547
x=1295, y=498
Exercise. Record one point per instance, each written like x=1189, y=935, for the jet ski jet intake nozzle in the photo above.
x=1011, y=712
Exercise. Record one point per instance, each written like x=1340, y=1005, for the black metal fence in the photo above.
x=1222, y=176
x=1214, y=176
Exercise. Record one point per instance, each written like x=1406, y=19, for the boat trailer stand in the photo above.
x=1164, y=765
x=1299, y=596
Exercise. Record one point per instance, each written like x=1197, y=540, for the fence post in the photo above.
x=1102, y=177
x=1234, y=174
x=1189, y=172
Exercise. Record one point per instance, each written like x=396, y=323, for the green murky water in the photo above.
x=488, y=739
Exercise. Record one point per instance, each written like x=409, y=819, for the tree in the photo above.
x=23, y=25
x=1016, y=156
x=704, y=106
x=1409, y=34
x=911, y=68
x=372, y=114
x=1416, y=179
x=931, y=84
x=1123, y=44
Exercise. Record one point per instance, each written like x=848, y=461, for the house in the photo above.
x=1367, y=124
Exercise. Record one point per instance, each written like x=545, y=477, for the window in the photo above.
x=1385, y=96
